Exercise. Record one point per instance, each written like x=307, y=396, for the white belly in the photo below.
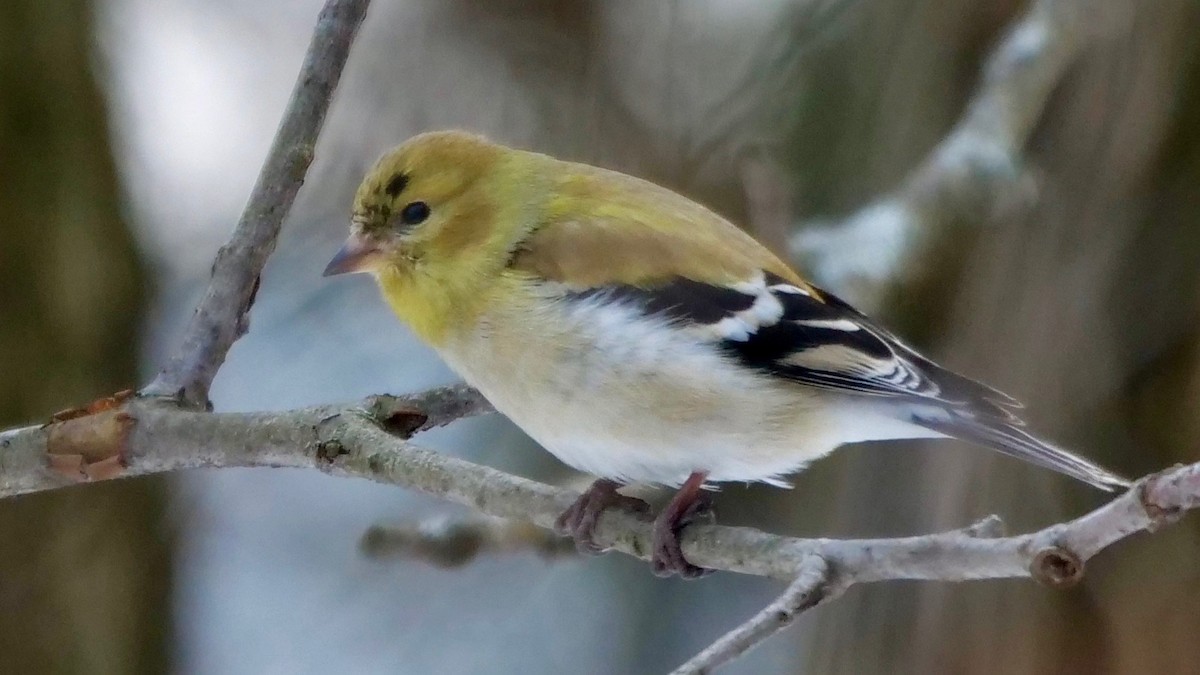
x=609, y=392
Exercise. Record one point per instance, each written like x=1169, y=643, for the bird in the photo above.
x=642, y=338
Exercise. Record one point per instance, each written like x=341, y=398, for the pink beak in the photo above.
x=356, y=255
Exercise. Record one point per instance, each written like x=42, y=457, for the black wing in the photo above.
x=820, y=341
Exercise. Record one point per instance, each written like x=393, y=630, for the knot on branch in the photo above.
x=329, y=451
x=1057, y=567
x=395, y=416
x=1167, y=494
x=89, y=443
x=301, y=155
x=242, y=325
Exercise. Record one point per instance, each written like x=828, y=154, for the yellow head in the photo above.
x=435, y=220
x=421, y=198
x=451, y=224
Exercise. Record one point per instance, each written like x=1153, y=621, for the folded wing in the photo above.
x=810, y=337
x=642, y=244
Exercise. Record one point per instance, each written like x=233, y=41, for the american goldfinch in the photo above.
x=641, y=337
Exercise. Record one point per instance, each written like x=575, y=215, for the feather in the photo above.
x=605, y=228
x=1012, y=439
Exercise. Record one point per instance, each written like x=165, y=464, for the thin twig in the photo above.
x=815, y=583
x=223, y=314
x=810, y=588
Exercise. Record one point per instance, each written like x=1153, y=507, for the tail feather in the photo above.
x=1014, y=441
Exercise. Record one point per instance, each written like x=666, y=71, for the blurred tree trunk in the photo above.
x=85, y=572
x=1084, y=305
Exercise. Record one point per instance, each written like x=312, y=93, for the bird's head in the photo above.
x=437, y=219
x=432, y=202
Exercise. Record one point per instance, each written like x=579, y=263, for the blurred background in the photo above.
x=131, y=132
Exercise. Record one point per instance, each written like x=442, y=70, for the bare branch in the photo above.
x=810, y=588
x=369, y=440
x=815, y=584
x=975, y=168
x=223, y=314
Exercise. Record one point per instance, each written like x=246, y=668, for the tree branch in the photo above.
x=223, y=314
x=454, y=542
x=810, y=588
x=370, y=439
x=975, y=168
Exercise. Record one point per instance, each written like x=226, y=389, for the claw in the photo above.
x=689, y=504
x=580, y=519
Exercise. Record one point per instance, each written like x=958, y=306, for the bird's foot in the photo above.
x=688, y=505
x=580, y=519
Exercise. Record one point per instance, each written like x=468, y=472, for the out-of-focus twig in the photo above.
x=453, y=542
x=223, y=314
x=975, y=168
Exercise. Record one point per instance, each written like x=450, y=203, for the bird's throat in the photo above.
x=434, y=308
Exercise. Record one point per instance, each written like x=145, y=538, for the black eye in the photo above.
x=414, y=213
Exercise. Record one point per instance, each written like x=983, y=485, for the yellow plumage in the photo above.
x=641, y=337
